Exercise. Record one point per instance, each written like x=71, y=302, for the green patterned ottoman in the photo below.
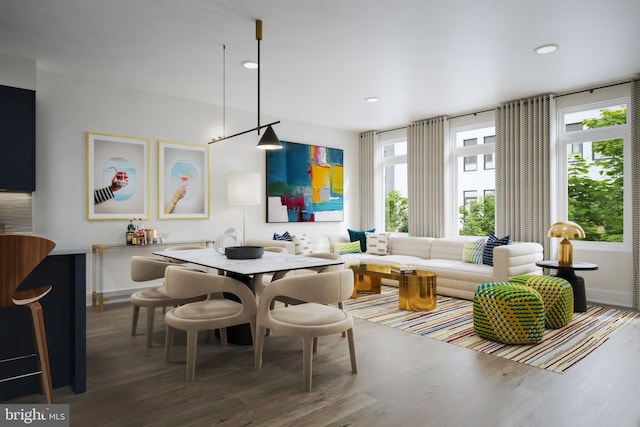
x=510, y=313
x=557, y=295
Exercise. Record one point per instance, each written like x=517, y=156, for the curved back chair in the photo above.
x=205, y=315
x=144, y=269
x=19, y=256
x=261, y=280
x=309, y=320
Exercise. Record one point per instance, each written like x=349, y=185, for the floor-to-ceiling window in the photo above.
x=593, y=150
x=472, y=161
x=393, y=146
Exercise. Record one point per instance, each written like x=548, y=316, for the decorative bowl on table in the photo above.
x=244, y=252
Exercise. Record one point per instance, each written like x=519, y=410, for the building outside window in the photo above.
x=474, y=154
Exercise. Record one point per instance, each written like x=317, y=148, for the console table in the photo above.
x=577, y=282
x=99, y=250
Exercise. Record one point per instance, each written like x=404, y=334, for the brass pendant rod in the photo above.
x=224, y=91
x=257, y=128
x=259, y=38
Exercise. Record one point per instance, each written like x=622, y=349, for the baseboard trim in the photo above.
x=618, y=299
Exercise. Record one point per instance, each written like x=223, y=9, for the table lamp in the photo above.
x=566, y=230
x=243, y=188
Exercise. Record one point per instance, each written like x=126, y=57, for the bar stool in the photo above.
x=20, y=255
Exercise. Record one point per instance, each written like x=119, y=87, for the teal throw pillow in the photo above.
x=360, y=236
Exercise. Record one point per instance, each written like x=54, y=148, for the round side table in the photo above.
x=577, y=282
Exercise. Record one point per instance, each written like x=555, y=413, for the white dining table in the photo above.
x=271, y=262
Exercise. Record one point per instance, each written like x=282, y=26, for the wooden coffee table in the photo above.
x=416, y=288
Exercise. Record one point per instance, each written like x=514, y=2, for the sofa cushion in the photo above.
x=447, y=269
x=302, y=244
x=377, y=243
x=391, y=259
x=473, y=251
x=346, y=248
x=451, y=249
x=492, y=242
x=360, y=236
x=410, y=245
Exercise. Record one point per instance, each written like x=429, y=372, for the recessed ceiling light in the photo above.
x=546, y=48
x=372, y=99
x=251, y=65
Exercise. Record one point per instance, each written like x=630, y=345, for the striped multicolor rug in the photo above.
x=452, y=322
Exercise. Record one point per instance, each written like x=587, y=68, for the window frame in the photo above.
x=386, y=138
x=564, y=139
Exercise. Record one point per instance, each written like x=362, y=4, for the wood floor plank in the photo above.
x=403, y=379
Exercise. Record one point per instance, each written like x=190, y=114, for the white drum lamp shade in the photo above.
x=243, y=188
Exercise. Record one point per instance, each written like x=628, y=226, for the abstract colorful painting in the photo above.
x=305, y=183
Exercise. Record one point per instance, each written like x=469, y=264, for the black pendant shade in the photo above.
x=269, y=140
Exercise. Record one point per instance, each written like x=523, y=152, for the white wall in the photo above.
x=16, y=71
x=68, y=107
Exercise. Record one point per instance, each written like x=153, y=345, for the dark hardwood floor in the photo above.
x=403, y=380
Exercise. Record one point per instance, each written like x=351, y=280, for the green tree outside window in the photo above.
x=597, y=204
x=397, y=212
x=480, y=218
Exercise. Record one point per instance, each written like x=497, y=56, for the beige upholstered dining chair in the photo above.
x=144, y=269
x=310, y=319
x=262, y=280
x=213, y=313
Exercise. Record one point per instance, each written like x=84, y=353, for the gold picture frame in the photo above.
x=183, y=181
x=117, y=177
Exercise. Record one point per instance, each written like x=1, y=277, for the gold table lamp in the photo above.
x=566, y=230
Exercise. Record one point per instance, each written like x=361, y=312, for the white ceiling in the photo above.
x=321, y=58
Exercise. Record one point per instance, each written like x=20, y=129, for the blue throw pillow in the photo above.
x=360, y=236
x=492, y=242
x=286, y=236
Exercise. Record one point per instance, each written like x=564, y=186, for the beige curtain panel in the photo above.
x=635, y=185
x=425, y=167
x=525, y=137
x=367, y=181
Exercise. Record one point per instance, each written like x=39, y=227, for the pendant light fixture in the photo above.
x=269, y=140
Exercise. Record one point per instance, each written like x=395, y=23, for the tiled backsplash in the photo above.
x=15, y=213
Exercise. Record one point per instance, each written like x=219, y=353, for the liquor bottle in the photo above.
x=131, y=230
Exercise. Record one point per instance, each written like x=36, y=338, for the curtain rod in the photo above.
x=557, y=96
x=391, y=130
x=472, y=114
x=596, y=88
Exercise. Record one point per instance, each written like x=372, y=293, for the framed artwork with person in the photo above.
x=117, y=177
x=183, y=181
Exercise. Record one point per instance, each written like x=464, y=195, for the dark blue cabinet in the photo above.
x=17, y=139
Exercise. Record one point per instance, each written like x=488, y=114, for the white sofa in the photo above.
x=444, y=257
